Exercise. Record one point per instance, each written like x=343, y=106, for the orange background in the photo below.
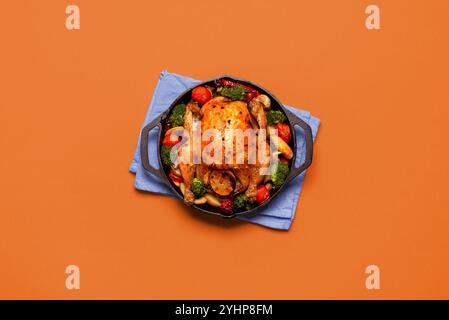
x=72, y=103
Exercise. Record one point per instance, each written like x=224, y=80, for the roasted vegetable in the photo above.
x=201, y=95
x=250, y=92
x=275, y=116
x=227, y=206
x=249, y=205
x=201, y=200
x=262, y=194
x=282, y=146
x=165, y=156
x=225, y=82
x=265, y=100
x=222, y=182
x=251, y=95
x=177, y=116
x=198, y=188
x=212, y=200
x=279, y=174
x=284, y=132
x=171, y=140
x=236, y=92
x=173, y=129
x=241, y=201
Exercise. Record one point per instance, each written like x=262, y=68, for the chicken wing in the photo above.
x=188, y=167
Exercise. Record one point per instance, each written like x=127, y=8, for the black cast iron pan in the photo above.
x=293, y=121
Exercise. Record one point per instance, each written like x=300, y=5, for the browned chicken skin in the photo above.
x=222, y=114
x=188, y=169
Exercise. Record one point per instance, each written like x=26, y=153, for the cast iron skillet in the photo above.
x=293, y=121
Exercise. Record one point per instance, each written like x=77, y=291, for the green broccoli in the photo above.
x=249, y=205
x=279, y=174
x=198, y=188
x=177, y=116
x=241, y=201
x=235, y=93
x=165, y=156
x=275, y=117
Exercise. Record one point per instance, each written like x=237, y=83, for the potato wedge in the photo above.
x=212, y=200
x=282, y=147
x=201, y=200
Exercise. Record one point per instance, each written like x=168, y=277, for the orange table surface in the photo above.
x=72, y=103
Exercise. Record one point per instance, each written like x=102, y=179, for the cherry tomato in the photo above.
x=284, y=132
x=251, y=95
x=173, y=177
x=226, y=83
x=227, y=206
x=171, y=140
x=262, y=194
x=201, y=95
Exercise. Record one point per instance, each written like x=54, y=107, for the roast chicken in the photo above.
x=220, y=174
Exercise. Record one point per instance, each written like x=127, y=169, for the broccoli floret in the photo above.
x=240, y=201
x=165, y=156
x=275, y=117
x=249, y=205
x=235, y=93
x=198, y=188
x=279, y=174
x=177, y=116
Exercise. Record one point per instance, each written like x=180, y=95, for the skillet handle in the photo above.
x=296, y=121
x=144, y=148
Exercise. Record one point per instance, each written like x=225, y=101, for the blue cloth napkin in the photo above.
x=281, y=211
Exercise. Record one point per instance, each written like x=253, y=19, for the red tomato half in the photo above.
x=227, y=206
x=171, y=140
x=262, y=194
x=284, y=132
x=201, y=95
x=251, y=95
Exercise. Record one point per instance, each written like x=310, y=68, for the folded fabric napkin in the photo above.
x=281, y=211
